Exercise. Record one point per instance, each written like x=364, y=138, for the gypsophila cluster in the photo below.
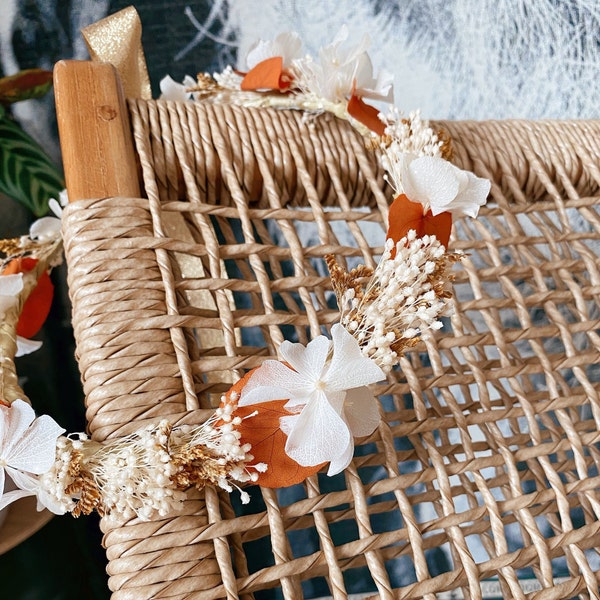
x=144, y=473
x=405, y=135
x=228, y=78
x=133, y=474
x=53, y=483
x=215, y=454
x=405, y=296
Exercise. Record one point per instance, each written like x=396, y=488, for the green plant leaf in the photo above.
x=26, y=172
x=24, y=85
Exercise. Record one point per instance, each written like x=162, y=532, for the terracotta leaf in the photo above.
x=406, y=215
x=31, y=83
x=37, y=306
x=366, y=114
x=267, y=75
x=268, y=441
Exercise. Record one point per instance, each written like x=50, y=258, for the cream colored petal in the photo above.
x=349, y=367
x=361, y=411
x=45, y=229
x=318, y=435
x=275, y=381
x=25, y=346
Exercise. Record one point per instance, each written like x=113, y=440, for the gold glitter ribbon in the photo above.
x=117, y=39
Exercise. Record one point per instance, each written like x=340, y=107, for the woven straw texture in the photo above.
x=485, y=465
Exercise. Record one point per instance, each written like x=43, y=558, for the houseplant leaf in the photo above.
x=26, y=173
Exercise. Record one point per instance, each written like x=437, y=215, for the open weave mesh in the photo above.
x=485, y=465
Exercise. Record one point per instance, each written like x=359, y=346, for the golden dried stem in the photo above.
x=446, y=147
x=197, y=466
x=84, y=485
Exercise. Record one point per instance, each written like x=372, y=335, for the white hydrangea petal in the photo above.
x=352, y=54
x=286, y=424
x=308, y=361
x=472, y=196
x=25, y=346
x=35, y=450
x=363, y=72
x=55, y=207
x=24, y=481
x=319, y=434
x=361, y=411
x=263, y=393
x=383, y=88
x=10, y=497
x=189, y=82
x=273, y=381
x=45, y=229
x=403, y=162
x=433, y=181
x=171, y=90
x=340, y=37
x=367, y=86
x=288, y=45
x=349, y=368
x=17, y=417
x=339, y=463
x=336, y=400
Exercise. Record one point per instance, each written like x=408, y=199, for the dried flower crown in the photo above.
x=316, y=399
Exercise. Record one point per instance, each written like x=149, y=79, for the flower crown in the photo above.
x=315, y=399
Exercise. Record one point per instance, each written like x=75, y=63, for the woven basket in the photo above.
x=485, y=466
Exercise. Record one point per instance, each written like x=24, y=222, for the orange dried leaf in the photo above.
x=30, y=83
x=268, y=74
x=406, y=215
x=262, y=431
x=37, y=306
x=366, y=114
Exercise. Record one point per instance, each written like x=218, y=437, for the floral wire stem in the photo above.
x=404, y=296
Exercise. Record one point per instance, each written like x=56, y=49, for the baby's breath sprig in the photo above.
x=146, y=472
x=405, y=296
x=407, y=136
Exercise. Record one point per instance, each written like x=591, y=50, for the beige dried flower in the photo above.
x=403, y=297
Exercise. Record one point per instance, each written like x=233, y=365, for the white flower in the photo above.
x=46, y=229
x=171, y=90
x=286, y=44
x=27, y=449
x=25, y=346
x=329, y=394
x=340, y=72
x=56, y=206
x=441, y=186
